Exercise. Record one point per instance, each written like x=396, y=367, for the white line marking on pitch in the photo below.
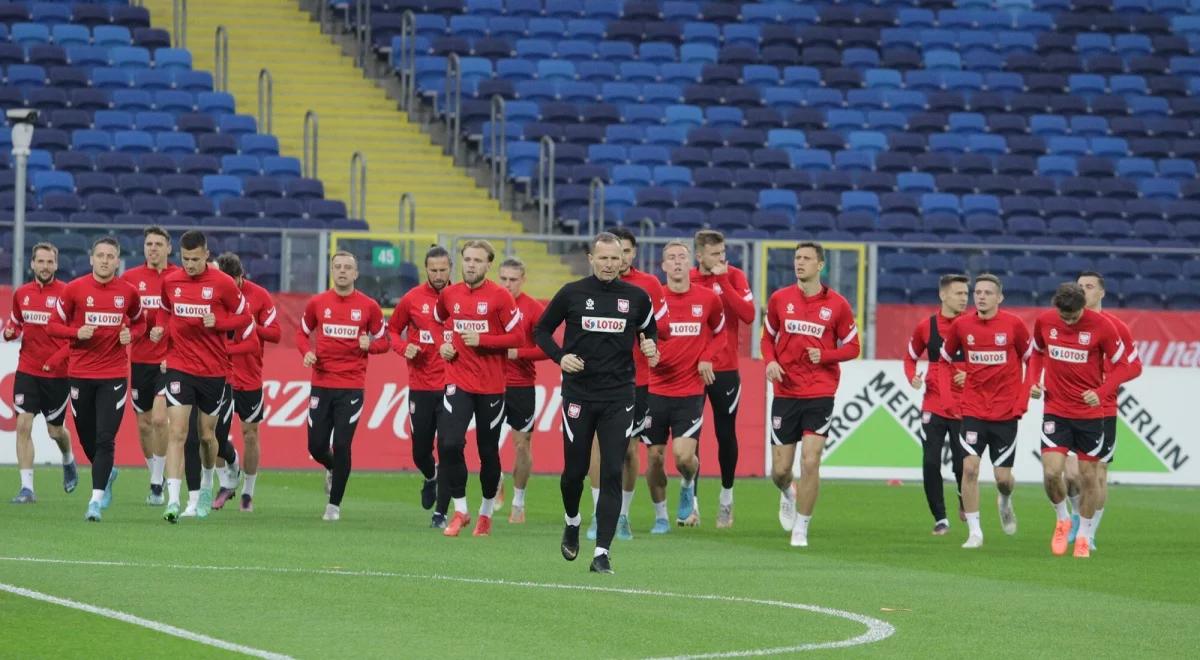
x=145, y=623
x=877, y=630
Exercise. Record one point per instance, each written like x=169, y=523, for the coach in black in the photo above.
x=605, y=319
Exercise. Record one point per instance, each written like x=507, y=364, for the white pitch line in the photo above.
x=877, y=630
x=164, y=628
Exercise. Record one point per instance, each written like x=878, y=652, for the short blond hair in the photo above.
x=676, y=243
x=343, y=253
x=44, y=246
x=707, y=237
x=482, y=245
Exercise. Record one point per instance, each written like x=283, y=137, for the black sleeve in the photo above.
x=552, y=317
x=647, y=324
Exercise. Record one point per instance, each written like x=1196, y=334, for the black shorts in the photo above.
x=203, y=392
x=424, y=407
x=677, y=416
x=641, y=406
x=792, y=419
x=1110, y=440
x=725, y=393
x=459, y=407
x=606, y=421
x=1000, y=437
x=520, y=408
x=40, y=395
x=146, y=381
x=1085, y=437
x=249, y=405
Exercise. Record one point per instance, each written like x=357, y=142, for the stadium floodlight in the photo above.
x=23, y=120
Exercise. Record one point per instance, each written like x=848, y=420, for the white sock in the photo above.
x=726, y=497
x=595, y=498
x=97, y=494
x=1074, y=503
x=1005, y=500
x=1086, y=527
x=460, y=505
x=802, y=523
x=599, y=551
x=1096, y=522
x=223, y=478
x=789, y=493
x=27, y=479
x=487, y=506
x=248, y=484
x=173, y=486
x=206, y=478
x=688, y=483
x=518, y=497
x=158, y=465
x=626, y=500
x=574, y=522
x=68, y=456
x=973, y=528
x=150, y=463
x=1060, y=509
x=193, y=499
x=660, y=510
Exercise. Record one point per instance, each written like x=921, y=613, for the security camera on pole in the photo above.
x=22, y=120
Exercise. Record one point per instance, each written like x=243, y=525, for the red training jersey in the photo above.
x=927, y=338
x=109, y=307
x=654, y=289
x=246, y=354
x=691, y=330
x=796, y=322
x=1073, y=357
x=413, y=324
x=489, y=310
x=995, y=349
x=521, y=372
x=734, y=291
x=186, y=300
x=336, y=322
x=148, y=283
x=1133, y=362
x=33, y=308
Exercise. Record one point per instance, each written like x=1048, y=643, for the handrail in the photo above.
x=179, y=15
x=498, y=146
x=595, y=206
x=266, y=100
x=408, y=210
x=221, y=59
x=453, y=107
x=647, y=227
x=358, y=186
x=545, y=183
x=406, y=61
x=362, y=33
x=311, y=138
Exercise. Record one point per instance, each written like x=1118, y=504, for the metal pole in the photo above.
x=408, y=60
x=595, y=206
x=266, y=100
x=221, y=59
x=285, y=258
x=311, y=137
x=358, y=186
x=871, y=314
x=408, y=211
x=323, y=260
x=453, y=102
x=647, y=227
x=545, y=184
x=498, y=143
x=758, y=282
x=179, y=15
x=21, y=156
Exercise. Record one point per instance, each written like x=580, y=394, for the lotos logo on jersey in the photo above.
x=447, y=336
x=622, y=305
x=471, y=325
x=1073, y=355
x=685, y=329
x=1001, y=338
x=336, y=331
x=152, y=302
x=481, y=308
x=35, y=318
x=1085, y=338
x=118, y=301
x=426, y=337
x=776, y=422
x=573, y=411
x=191, y=311
x=356, y=315
x=602, y=324
x=697, y=310
x=1048, y=428
x=807, y=328
x=987, y=357
x=826, y=313
x=102, y=318
x=972, y=437
x=206, y=292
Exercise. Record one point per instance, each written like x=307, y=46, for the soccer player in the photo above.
x=199, y=306
x=724, y=393
x=809, y=329
x=101, y=314
x=338, y=330
x=1093, y=291
x=691, y=324
x=484, y=320
x=630, y=469
x=40, y=385
x=940, y=424
x=520, y=397
x=416, y=336
x=997, y=346
x=1073, y=345
x=605, y=318
x=246, y=382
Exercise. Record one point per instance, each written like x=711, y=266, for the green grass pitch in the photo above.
x=380, y=583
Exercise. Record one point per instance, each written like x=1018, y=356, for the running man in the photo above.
x=605, y=319
x=40, y=384
x=415, y=335
x=997, y=346
x=691, y=324
x=725, y=392
x=808, y=331
x=940, y=424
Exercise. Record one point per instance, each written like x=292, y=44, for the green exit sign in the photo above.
x=384, y=256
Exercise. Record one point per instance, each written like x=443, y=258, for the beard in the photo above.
x=473, y=279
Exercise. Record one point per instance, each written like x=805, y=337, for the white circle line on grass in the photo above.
x=877, y=630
